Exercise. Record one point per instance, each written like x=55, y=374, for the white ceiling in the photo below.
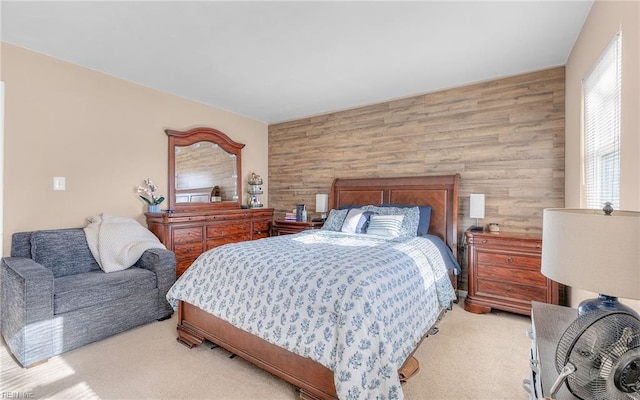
x=278, y=61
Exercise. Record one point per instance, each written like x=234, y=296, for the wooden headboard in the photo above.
x=439, y=192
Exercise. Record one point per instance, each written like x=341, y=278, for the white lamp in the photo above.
x=476, y=210
x=594, y=250
x=322, y=205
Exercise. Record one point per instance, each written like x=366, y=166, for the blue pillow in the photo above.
x=425, y=217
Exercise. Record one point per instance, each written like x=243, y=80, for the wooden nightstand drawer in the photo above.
x=510, y=290
x=512, y=275
x=509, y=259
x=494, y=240
x=282, y=227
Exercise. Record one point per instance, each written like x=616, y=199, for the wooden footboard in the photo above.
x=313, y=380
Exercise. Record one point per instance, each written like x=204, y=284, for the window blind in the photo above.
x=602, y=98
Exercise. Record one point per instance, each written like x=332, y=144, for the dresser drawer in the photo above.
x=511, y=275
x=229, y=229
x=261, y=227
x=187, y=250
x=211, y=243
x=187, y=235
x=182, y=266
x=508, y=259
x=485, y=287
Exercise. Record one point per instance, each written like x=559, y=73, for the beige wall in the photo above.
x=604, y=20
x=102, y=133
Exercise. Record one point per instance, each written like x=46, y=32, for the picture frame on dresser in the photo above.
x=505, y=273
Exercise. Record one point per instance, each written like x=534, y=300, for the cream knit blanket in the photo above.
x=118, y=242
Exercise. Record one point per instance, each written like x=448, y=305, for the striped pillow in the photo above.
x=385, y=225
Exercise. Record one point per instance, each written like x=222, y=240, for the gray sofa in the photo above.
x=56, y=298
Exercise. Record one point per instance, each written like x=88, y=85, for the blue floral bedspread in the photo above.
x=357, y=304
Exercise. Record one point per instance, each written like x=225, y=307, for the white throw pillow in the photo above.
x=385, y=225
x=356, y=221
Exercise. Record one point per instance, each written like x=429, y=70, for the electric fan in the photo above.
x=599, y=357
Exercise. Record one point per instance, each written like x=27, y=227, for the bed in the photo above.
x=345, y=365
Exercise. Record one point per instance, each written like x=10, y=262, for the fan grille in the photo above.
x=594, y=344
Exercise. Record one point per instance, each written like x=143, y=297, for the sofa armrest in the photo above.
x=162, y=262
x=27, y=290
x=26, y=298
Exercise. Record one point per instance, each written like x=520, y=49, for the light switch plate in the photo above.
x=58, y=183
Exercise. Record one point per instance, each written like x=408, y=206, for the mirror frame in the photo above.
x=187, y=138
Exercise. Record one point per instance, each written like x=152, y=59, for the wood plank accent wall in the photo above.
x=505, y=137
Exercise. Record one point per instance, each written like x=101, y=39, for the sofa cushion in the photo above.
x=73, y=292
x=64, y=251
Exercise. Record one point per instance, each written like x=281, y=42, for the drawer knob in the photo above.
x=509, y=259
x=509, y=289
x=484, y=241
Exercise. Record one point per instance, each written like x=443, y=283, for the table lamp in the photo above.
x=476, y=210
x=322, y=205
x=594, y=250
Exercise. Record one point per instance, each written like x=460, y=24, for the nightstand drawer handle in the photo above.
x=509, y=259
x=509, y=289
x=484, y=241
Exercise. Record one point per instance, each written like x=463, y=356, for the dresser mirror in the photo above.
x=204, y=170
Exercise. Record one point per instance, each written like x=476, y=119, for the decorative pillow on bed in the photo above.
x=356, y=221
x=425, y=217
x=385, y=225
x=411, y=217
x=334, y=220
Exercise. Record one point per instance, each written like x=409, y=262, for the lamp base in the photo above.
x=606, y=303
x=476, y=228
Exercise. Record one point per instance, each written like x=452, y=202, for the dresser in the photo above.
x=189, y=234
x=282, y=227
x=504, y=273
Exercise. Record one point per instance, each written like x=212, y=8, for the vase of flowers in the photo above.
x=152, y=198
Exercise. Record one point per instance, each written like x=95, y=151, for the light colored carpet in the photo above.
x=473, y=357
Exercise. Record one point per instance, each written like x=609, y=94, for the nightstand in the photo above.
x=282, y=227
x=548, y=323
x=504, y=273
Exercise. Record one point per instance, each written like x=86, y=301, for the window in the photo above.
x=602, y=93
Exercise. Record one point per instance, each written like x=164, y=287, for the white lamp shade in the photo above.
x=322, y=203
x=476, y=206
x=589, y=250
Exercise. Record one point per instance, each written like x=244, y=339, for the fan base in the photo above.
x=606, y=303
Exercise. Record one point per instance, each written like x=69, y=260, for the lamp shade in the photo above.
x=476, y=206
x=322, y=203
x=592, y=251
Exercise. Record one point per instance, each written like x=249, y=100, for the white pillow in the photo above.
x=385, y=225
x=353, y=222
